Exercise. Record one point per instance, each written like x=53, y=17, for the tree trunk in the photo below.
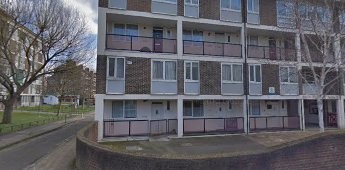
x=320, y=110
x=59, y=107
x=9, y=104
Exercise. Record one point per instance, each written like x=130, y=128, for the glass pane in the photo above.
x=188, y=71
x=250, y=5
x=226, y=72
x=236, y=4
x=170, y=70
x=130, y=109
x=187, y=35
x=187, y=1
x=117, y=110
x=132, y=30
x=111, y=67
x=258, y=73
x=198, y=109
x=225, y=4
x=256, y=5
x=187, y=108
x=237, y=72
x=119, y=29
x=197, y=36
x=251, y=72
x=195, y=71
x=195, y=2
x=120, y=65
x=293, y=75
x=158, y=70
x=284, y=76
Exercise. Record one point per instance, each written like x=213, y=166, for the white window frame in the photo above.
x=232, y=72
x=192, y=107
x=230, y=9
x=126, y=32
x=191, y=71
x=164, y=76
x=165, y=1
x=124, y=111
x=191, y=3
x=250, y=37
x=115, y=70
x=255, y=80
x=251, y=11
x=288, y=73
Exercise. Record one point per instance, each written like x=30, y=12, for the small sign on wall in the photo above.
x=271, y=90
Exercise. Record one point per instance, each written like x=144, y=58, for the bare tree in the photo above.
x=319, y=26
x=36, y=36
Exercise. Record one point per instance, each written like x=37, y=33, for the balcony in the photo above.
x=271, y=53
x=212, y=48
x=140, y=43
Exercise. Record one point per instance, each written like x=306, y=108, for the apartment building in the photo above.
x=179, y=67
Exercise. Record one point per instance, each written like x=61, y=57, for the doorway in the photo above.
x=158, y=39
x=272, y=48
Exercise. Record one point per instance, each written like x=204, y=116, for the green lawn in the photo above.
x=54, y=109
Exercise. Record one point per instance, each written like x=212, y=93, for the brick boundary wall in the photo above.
x=325, y=152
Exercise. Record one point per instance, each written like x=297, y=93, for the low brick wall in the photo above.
x=326, y=152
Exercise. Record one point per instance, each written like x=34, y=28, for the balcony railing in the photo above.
x=317, y=56
x=271, y=53
x=213, y=125
x=274, y=123
x=140, y=43
x=212, y=48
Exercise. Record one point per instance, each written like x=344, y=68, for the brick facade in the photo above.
x=103, y=3
x=268, y=12
x=139, y=5
x=101, y=74
x=210, y=78
x=138, y=76
x=180, y=77
x=270, y=78
x=180, y=7
x=210, y=9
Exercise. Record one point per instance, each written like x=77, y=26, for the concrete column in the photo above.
x=99, y=112
x=340, y=113
x=179, y=39
x=301, y=114
x=180, y=117
x=298, y=47
x=102, y=31
x=245, y=116
x=243, y=42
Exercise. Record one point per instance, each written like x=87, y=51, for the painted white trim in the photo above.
x=191, y=72
x=232, y=73
x=255, y=81
x=164, y=78
x=253, y=12
x=191, y=4
x=165, y=1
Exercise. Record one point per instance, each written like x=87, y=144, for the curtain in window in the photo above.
x=117, y=110
x=111, y=63
x=130, y=109
x=237, y=72
x=195, y=71
x=170, y=70
x=120, y=68
x=258, y=73
x=198, y=109
x=226, y=72
x=284, y=74
x=293, y=75
x=187, y=108
x=158, y=70
x=188, y=70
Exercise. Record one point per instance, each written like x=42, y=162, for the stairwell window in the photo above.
x=232, y=73
x=164, y=70
x=253, y=6
x=124, y=109
x=288, y=75
x=255, y=73
x=116, y=67
x=233, y=5
x=191, y=71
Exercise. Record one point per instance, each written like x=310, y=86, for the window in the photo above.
x=192, y=71
x=116, y=67
x=255, y=73
x=285, y=9
x=231, y=5
x=253, y=40
x=323, y=14
x=126, y=29
x=193, y=35
x=308, y=75
x=232, y=72
x=124, y=109
x=164, y=70
x=192, y=2
x=167, y=1
x=193, y=108
x=253, y=6
x=288, y=75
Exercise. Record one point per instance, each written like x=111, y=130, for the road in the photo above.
x=24, y=155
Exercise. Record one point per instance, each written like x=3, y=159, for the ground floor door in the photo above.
x=157, y=124
x=255, y=108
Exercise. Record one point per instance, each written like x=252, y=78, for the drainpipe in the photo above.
x=245, y=71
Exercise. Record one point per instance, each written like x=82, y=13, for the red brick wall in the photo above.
x=103, y=3
x=270, y=78
x=180, y=77
x=180, y=7
x=138, y=76
x=268, y=12
x=210, y=78
x=139, y=5
x=210, y=9
x=101, y=74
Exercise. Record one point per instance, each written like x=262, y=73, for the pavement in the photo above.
x=50, y=146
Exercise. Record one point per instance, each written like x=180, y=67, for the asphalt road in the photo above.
x=26, y=153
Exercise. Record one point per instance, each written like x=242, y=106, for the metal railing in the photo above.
x=209, y=125
x=274, y=123
x=318, y=57
x=122, y=128
x=271, y=53
x=140, y=43
x=212, y=48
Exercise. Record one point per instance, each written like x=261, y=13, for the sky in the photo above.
x=89, y=9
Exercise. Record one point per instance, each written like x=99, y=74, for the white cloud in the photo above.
x=87, y=8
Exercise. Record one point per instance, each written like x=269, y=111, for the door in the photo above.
x=158, y=124
x=272, y=48
x=255, y=108
x=158, y=39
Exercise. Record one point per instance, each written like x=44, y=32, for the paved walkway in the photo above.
x=19, y=136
